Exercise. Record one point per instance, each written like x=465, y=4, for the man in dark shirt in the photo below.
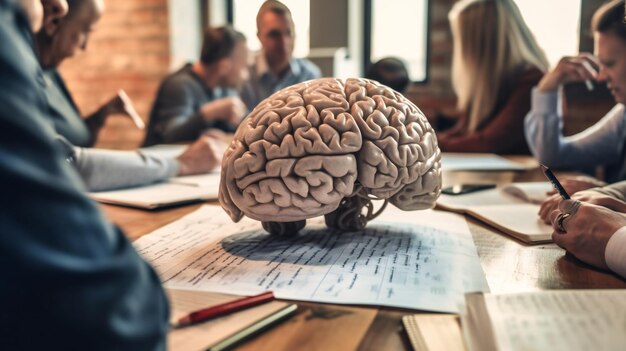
x=70, y=280
x=202, y=95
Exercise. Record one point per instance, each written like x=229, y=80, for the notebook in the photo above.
x=547, y=320
x=206, y=334
x=176, y=191
x=511, y=209
x=434, y=332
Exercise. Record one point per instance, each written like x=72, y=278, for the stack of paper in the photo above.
x=565, y=320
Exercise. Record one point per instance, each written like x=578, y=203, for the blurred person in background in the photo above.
x=496, y=61
x=274, y=67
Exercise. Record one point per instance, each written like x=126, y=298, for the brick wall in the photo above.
x=129, y=50
x=436, y=95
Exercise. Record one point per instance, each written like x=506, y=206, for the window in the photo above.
x=388, y=19
x=555, y=24
x=244, y=20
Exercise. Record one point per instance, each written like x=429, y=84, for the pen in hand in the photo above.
x=223, y=309
x=555, y=182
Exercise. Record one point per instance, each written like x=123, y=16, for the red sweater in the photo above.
x=503, y=132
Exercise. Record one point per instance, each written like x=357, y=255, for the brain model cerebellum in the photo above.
x=329, y=147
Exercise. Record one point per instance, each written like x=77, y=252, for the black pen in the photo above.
x=555, y=182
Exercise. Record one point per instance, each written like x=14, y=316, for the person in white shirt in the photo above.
x=604, y=143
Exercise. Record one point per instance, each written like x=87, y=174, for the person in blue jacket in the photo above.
x=70, y=280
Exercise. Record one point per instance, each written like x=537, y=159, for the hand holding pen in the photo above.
x=581, y=68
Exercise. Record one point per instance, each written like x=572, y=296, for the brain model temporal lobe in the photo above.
x=328, y=147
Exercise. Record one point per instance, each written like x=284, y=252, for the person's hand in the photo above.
x=587, y=230
x=570, y=69
x=123, y=105
x=575, y=184
x=229, y=109
x=204, y=155
x=587, y=196
x=599, y=199
x=220, y=135
x=572, y=186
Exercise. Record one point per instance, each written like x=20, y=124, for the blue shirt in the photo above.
x=602, y=144
x=69, y=280
x=263, y=83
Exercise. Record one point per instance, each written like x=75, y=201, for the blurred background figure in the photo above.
x=604, y=143
x=61, y=39
x=496, y=62
x=105, y=169
x=390, y=71
x=274, y=67
x=202, y=95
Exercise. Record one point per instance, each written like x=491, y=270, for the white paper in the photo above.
x=500, y=208
x=209, y=180
x=428, y=263
x=477, y=162
x=532, y=192
x=155, y=195
x=559, y=320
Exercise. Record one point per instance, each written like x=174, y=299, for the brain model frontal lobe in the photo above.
x=329, y=147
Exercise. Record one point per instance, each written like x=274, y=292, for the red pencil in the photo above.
x=225, y=308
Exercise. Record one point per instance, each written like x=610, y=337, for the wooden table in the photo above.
x=510, y=266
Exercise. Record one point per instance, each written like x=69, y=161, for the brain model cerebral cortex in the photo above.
x=329, y=147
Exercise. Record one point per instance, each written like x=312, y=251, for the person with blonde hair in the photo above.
x=496, y=62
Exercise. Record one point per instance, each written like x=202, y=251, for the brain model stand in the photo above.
x=329, y=147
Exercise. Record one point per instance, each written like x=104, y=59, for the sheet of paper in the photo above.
x=202, y=335
x=209, y=180
x=477, y=162
x=155, y=195
x=419, y=260
x=559, y=320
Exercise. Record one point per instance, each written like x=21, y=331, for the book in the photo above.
x=512, y=209
x=177, y=191
x=433, y=332
x=207, y=334
x=546, y=320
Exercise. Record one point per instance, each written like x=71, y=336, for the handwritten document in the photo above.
x=559, y=320
x=420, y=260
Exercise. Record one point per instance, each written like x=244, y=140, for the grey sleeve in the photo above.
x=616, y=190
x=111, y=169
x=176, y=118
x=600, y=144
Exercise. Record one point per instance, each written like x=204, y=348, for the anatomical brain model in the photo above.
x=329, y=147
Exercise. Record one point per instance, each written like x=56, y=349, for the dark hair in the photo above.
x=274, y=6
x=218, y=43
x=609, y=18
x=391, y=72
